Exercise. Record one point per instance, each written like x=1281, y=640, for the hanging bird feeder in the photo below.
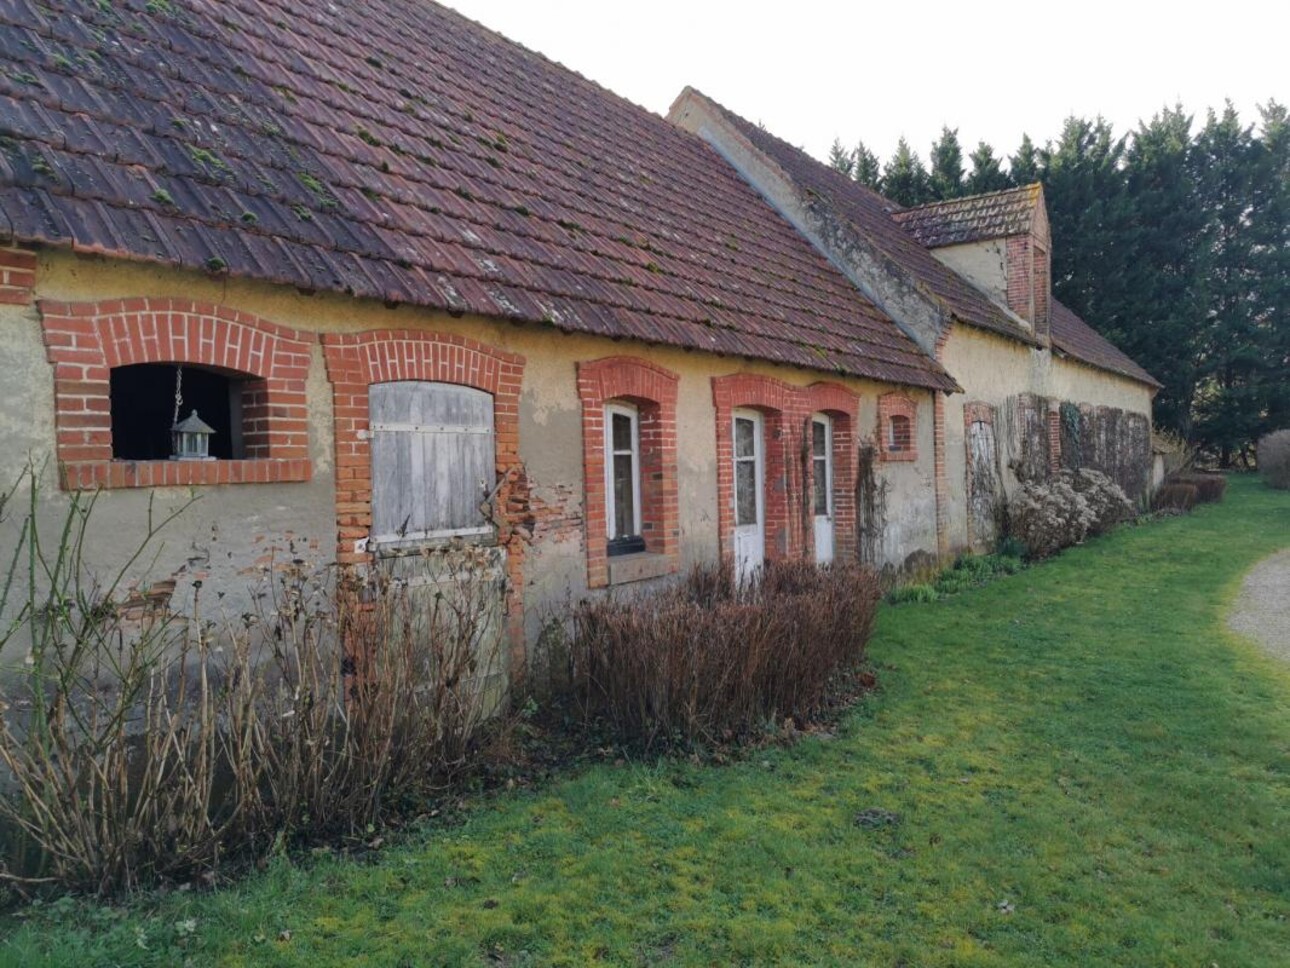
x=190, y=439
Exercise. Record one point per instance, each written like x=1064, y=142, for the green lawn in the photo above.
x=1085, y=768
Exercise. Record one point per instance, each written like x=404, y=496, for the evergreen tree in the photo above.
x=987, y=173
x=1091, y=221
x=839, y=158
x=947, y=165
x=1232, y=362
x=867, y=169
x=1026, y=166
x=904, y=179
x=1162, y=310
x=1270, y=232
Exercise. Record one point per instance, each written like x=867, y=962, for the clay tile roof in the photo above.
x=393, y=149
x=871, y=215
x=973, y=218
x=1077, y=339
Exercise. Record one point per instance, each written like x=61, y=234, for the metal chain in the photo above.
x=179, y=393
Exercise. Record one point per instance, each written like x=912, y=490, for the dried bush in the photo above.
x=1274, y=459
x=145, y=745
x=1050, y=516
x=1210, y=488
x=1109, y=504
x=710, y=660
x=1175, y=497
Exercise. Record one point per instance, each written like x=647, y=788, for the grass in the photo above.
x=1075, y=764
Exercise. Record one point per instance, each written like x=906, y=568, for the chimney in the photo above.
x=1029, y=259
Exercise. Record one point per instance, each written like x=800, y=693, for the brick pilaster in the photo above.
x=17, y=276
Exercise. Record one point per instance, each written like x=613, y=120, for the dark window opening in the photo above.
x=143, y=409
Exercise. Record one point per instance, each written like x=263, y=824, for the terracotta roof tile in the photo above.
x=398, y=151
x=871, y=216
x=972, y=218
x=1076, y=338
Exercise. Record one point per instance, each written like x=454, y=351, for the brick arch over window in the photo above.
x=653, y=391
x=86, y=341
x=357, y=360
x=897, y=427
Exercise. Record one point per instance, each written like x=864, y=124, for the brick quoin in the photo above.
x=86, y=341
x=653, y=391
x=17, y=276
x=357, y=360
x=787, y=411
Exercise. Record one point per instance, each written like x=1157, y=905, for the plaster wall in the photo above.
x=230, y=535
x=984, y=264
x=995, y=370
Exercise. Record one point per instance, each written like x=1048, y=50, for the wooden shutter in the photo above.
x=433, y=461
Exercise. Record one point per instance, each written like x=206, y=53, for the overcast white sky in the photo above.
x=811, y=70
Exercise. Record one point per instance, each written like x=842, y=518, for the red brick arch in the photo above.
x=653, y=390
x=787, y=409
x=86, y=341
x=357, y=360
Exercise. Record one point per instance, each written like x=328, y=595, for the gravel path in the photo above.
x=1262, y=610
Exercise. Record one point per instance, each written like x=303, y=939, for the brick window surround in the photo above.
x=653, y=391
x=788, y=504
x=86, y=341
x=896, y=405
x=357, y=360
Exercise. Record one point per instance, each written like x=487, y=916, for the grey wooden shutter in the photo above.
x=433, y=461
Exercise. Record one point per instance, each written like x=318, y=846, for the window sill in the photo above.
x=641, y=566
x=112, y=474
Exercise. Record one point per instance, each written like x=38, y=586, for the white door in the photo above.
x=822, y=486
x=750, y=513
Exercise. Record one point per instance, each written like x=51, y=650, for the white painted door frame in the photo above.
x=749, y=516
x=823, y=513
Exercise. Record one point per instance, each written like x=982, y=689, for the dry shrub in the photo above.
x=1274, y=459
x=709, y=660
x=151, y=745
x=1108, y=502
x=1049, y=517
x=1210, y=488
x=1175, y=497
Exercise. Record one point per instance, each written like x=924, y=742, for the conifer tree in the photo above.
x=1159, y=321
x=904, y=179
x=1026, y=166
x=987, y=173
x=839, y=158
x=867, y=169
x=946, y=178
x=1091, y=221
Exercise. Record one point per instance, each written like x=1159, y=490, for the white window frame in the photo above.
x=611, y=515
x=824, y=420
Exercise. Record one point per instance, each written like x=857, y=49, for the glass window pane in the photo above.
x=745, y=492
x=745, y=433
x=622, y=431
x=821, y=485
x=624, y=496
x=819, y=438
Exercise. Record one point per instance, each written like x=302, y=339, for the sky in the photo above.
x=811, y=70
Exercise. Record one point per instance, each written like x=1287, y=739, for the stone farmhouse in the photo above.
x=424, y=285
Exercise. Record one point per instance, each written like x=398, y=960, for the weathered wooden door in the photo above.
x=822, y=486
x=433, y=461
x=983, y=485
x=749, y=479
x=433, y=469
